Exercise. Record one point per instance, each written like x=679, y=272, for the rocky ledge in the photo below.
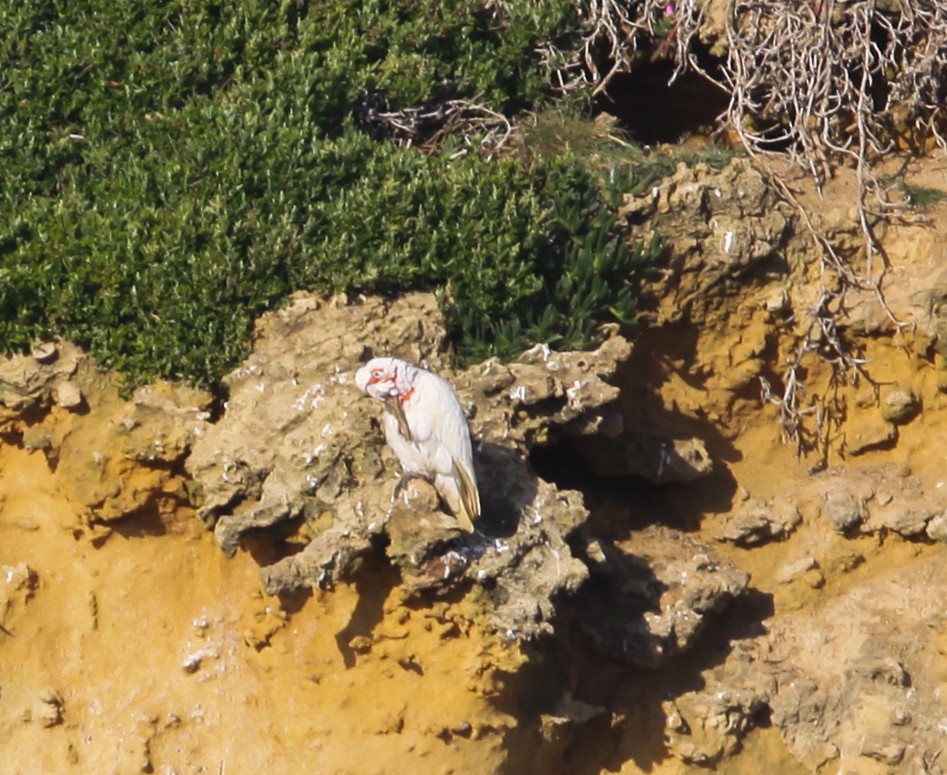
x=299, y=452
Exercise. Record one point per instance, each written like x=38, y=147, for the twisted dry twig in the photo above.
x=428, y=127
x=824, y=82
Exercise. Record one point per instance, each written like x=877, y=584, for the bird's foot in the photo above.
x=406, y=477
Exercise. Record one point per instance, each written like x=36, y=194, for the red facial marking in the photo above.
x=402, y=397
x=377, y=375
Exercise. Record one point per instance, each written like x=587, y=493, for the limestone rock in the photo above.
x=67, y=395
x=778, y=303
x=31, y=380
x=703, y=727
x=121, y=465
x=900, y=405
x=754, y=523
x=545, y=395
x=98, y=453
x=858, y=681
x=874, y=499
x=844, y=510
x=297, y=440
x=936, y=527
x=163, y=422
x=888, y=750
x=650, y=605
x=721, y=225
x=45, y=352
x=906, y=519
x=796, y=569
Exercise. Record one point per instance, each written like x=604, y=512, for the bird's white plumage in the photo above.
x=426, y=428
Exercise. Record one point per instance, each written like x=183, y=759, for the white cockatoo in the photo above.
x=426, y=428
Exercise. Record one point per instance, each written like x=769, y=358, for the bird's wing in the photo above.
x=438, y=414
x=441, y=415
x=407, y=452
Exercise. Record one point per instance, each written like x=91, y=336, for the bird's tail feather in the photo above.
x=469, y=510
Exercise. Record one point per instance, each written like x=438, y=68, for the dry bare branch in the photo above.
x=826, y=83
x=481, y=129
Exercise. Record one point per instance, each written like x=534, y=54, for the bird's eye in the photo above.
x=377, y=373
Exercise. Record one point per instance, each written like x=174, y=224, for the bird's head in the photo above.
x=385, y=378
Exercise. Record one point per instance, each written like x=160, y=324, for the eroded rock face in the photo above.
x=32, y=380
x=724, y=225
x=299, y=442
x=844, y=660
x=115, y=461
x=703, y=728
x=651, y=598
x=851, y=691
x=875, y=499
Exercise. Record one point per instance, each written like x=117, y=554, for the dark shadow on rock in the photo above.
x=35, y=414
x=607, y=612
x=141, y=523
x=420, y=599
x=294, y=601
x=373, y=583
x=641, y=630
x=646, y=420
x=506, y=486
x=743, y=619
x=269, y=545
x=659, y=355
x=622, y=704
x=618, y=505
x=11, y=438
x=634, y=726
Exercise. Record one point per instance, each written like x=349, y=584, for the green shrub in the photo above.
x=582, y=272
x=172, y=172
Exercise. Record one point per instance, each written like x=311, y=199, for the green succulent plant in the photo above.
x=173, y=170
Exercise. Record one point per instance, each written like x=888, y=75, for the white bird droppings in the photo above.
x=193, y=660
x=311, y=399
x=572, y=394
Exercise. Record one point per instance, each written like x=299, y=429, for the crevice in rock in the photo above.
x=654, y=111
x=620, y=505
